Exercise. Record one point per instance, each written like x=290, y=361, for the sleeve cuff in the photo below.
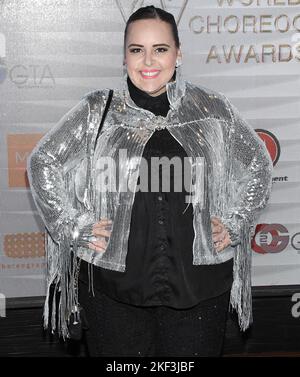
x=233, y=225
x=82, y=232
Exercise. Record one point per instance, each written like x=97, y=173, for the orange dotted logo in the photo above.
x=24, y=245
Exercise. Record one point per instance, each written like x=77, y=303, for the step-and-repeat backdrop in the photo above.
x=52, y=52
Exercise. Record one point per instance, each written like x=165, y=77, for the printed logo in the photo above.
x=24, y=245
x=32, y=76
x=181, y=9
x=272, y=144
x=19, y=147
x=295, y=241
x=136, y=4
x=270, y=238
x=274, y=238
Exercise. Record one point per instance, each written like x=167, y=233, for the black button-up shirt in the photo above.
x=159, y=264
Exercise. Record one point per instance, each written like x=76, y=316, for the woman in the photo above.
x=157, y=267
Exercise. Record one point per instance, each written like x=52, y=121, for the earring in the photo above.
x=178, y=70
x=178, y=63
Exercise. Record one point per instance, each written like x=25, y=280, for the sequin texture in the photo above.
x=236, y=185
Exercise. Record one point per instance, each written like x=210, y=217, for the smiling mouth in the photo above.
x=149, y=74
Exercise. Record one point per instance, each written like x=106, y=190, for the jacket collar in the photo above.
x=175, y=91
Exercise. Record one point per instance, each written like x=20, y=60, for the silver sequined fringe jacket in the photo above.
x=234, y=184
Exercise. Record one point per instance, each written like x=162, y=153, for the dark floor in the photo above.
x=275, y=332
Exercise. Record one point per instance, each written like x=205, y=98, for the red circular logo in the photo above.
x=270, y=238
x=272, y=144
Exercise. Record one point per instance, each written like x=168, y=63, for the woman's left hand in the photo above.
x=220, y=235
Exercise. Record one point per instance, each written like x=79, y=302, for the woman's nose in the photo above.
x=148, y=58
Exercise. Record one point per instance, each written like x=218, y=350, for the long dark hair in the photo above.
x=151, y=12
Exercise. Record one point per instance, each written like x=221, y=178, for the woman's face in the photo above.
x=150, y=55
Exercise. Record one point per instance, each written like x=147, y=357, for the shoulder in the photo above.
x=213, y=102
x=96, y=97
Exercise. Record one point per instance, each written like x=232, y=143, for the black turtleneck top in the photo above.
x=159, y=264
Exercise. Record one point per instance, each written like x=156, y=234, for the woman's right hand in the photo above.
x=102, y=231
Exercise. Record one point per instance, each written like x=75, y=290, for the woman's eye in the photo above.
x=161, y=49
x=134, y=50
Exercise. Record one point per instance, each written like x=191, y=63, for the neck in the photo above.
x=159, y=105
